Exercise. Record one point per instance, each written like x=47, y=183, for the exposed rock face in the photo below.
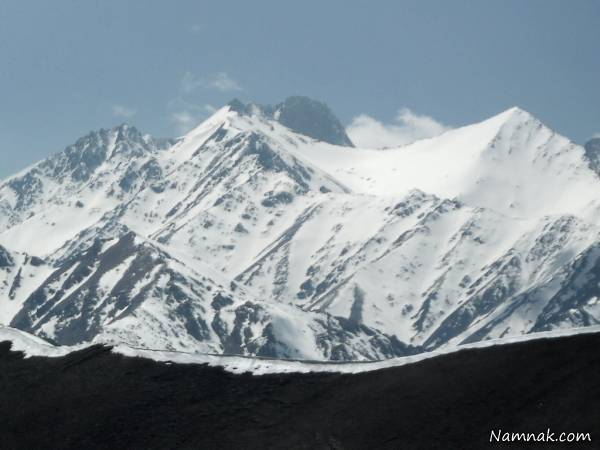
x=303, y=115
x=592, y=152
x=312, y=118
x=6, y=259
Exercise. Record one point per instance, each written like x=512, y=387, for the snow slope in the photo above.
x=491, y=164
x=33, y=346
x=20, y=275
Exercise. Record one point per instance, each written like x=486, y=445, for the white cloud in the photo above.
x=596, y=135
x=187, y=115
x=221, y=81
x=183, y=120
x=122, y=111
x=224, y=82
x=407, y=127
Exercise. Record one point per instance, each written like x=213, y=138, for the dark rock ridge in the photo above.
x=592, y=153
x=6, y=260
x=98, y=399
x=80, y=160
x=303, y=115
x=78, y=163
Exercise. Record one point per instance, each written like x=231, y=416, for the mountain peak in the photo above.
x=516, y=112
x=127, y=132
x=124, y=126
x=238, y=106
x=516, y=109
x=301, y=114
x=508, y=121
x=313, y=118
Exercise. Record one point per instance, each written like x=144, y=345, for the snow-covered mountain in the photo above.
x=263, y=231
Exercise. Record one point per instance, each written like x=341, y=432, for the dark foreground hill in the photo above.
x=96, y=399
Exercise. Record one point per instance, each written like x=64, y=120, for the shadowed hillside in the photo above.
x=96, y=399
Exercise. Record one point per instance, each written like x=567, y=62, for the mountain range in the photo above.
x=264, y=231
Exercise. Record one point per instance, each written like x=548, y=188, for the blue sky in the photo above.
x=68, y=67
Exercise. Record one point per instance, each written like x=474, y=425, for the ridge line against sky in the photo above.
x=70, y=67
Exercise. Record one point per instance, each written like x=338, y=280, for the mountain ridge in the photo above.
x=341, y=252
